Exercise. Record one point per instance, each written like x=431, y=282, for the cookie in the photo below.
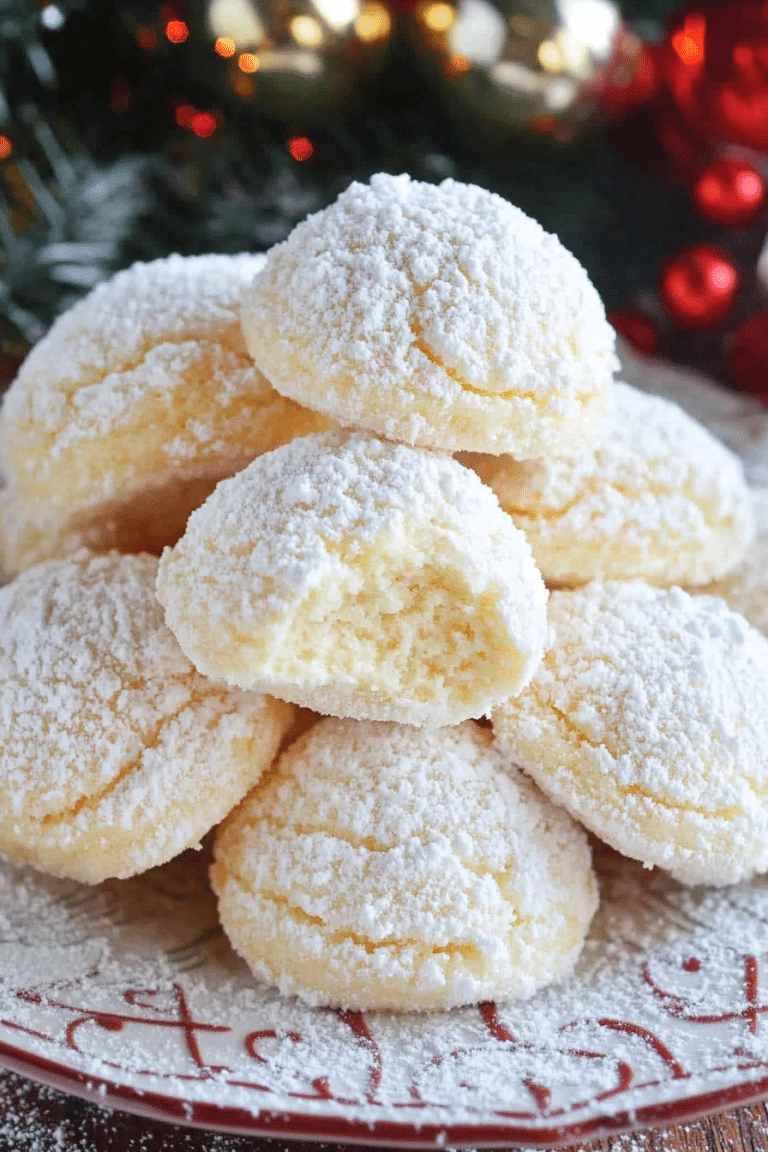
x=358, y=578
x=140, y=398
x=116, y=754
x=745, y=588
x=658, y=498
x=440, y=316
x=384, y=866
x=647, y=722
x=29, y=535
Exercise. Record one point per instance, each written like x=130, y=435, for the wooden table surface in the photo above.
x=38, y=1119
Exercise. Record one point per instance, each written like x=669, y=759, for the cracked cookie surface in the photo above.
x=117, y=755
x=646, y=720
x=438, y=315
x=657, y=498
x=139, y=399
x=383, y=866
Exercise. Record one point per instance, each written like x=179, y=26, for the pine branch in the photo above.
x=66, y=223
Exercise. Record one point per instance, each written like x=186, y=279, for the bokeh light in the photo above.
x=203, y=124
x=439, y=16
x=688, y=41
x=373, y=23
x=307, y=31
x=300, y=148
x=176, y=31
x=185, y=114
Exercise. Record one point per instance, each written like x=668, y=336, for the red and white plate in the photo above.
x=128, y=993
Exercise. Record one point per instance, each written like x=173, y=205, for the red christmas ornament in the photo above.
x=747, y=356
x=729, y=191
x=699, y=285
x=714, y=64
x=633, y=80
x=637, y=328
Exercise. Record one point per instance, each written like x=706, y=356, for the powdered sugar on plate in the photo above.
x=132, y=984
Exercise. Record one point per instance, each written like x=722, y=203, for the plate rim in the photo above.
x=282, y=1123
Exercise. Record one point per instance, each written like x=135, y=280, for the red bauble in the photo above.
x=699, y=285
x=637, y=328
x=729, y=191
x=714, y=64
x=747, y=357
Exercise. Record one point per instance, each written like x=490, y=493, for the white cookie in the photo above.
x=29, y=535
x=382, y=866
x=657, y=498
x=647, y=722
x=140, y=398
x=358, y=578
x=440, y=316
x=116, y=754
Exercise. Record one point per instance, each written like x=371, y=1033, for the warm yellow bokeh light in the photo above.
x=307, y=31
x=224, y=47
x=550, y=56
x=574, y=53
x=439, y=16
x=373, y=23
x=248, y=62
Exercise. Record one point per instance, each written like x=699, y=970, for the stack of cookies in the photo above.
x=448, y=596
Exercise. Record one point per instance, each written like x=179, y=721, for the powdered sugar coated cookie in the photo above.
x=361, y=578
x=657, y=497
x=141, y=396
x=116, y=754
x=382, y=866
x=647, y=722
x=745, y=589
x=441, y=316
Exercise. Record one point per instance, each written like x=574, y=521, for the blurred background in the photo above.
x=639, y=134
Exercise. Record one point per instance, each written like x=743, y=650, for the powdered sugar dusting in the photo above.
x=108, y=728
x=116, y=325
x=745, y=588
x=388, y=866
x=656, y=497
x=646, y=721
x=145, y=380
x=657, y=1010
x=286, y=513
x=443, y=316
x=359, y=578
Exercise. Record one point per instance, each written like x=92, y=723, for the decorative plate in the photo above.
x=128, y=993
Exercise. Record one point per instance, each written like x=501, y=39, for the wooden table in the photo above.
x=36, y=1119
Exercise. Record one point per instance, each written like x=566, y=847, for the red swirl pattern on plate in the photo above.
x=172, y=1049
